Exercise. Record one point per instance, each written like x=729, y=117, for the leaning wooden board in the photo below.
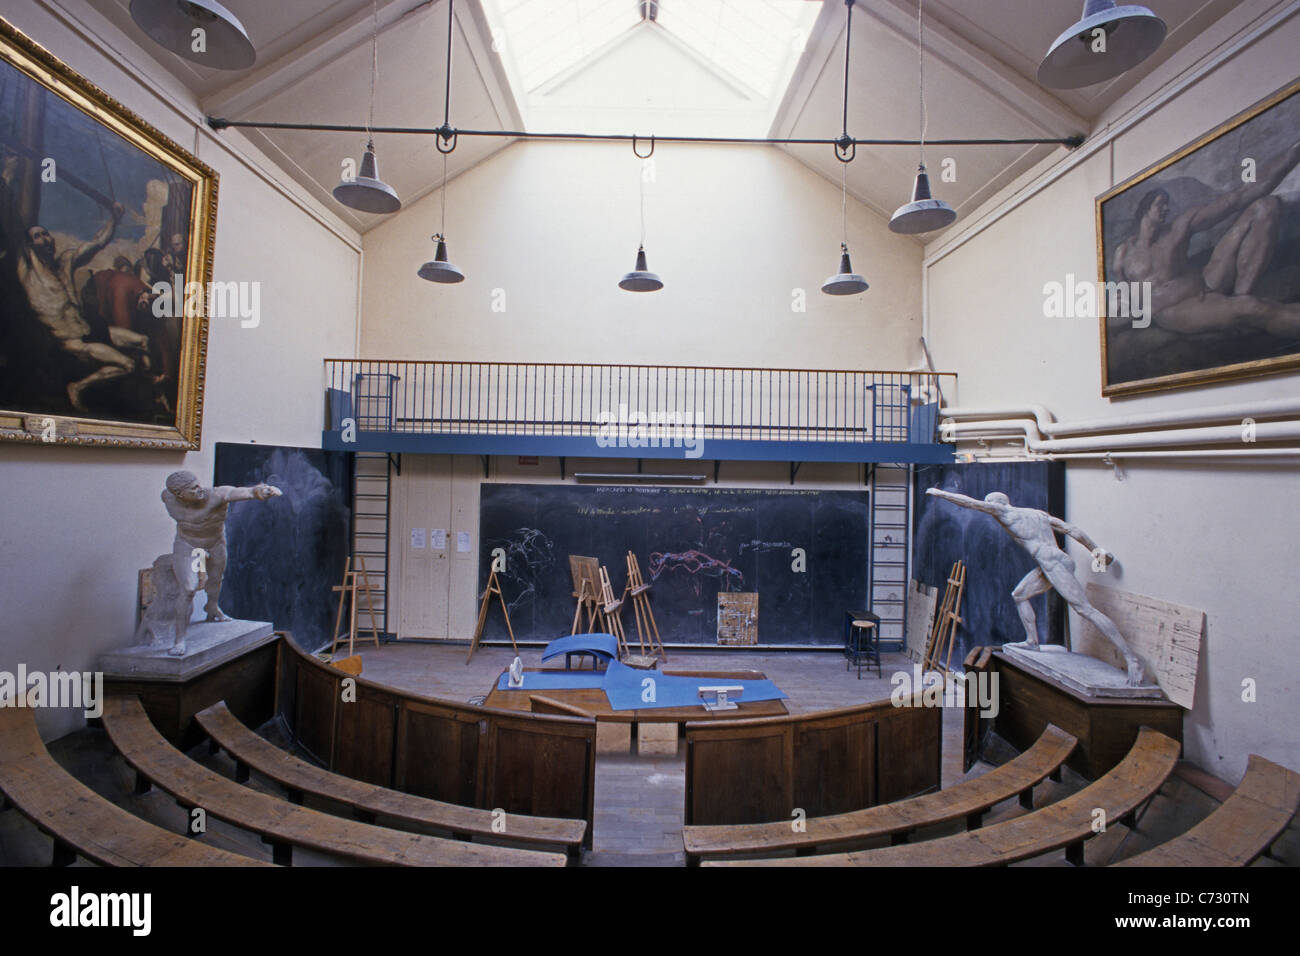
x=1167, y=638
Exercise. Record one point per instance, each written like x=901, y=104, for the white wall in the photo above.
x=1211, y=536
x=77, y=524
x=549, y=228
x=554, y=226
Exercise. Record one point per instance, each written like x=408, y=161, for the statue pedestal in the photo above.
x=207, y=646
x=1079, y=672
x=234, y=661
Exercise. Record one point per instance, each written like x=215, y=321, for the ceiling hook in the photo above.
x=846, y=149
x=445, y=135
x=637, y=152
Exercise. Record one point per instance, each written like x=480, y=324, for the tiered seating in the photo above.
x=1065, y=824
x=967, y=800
x=82, y=822
x=528, y=764
x=369, y=802
x=282, y=824
x=1241, y=828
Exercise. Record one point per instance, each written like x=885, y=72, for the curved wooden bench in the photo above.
x=968, y=799
x=81, y=822
x=367, y=801
x=280, y=823
x=538, y=765
x=1241, y=828
x=1066, y=823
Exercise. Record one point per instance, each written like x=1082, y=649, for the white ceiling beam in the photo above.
x=1043, y=111
x=238, y=99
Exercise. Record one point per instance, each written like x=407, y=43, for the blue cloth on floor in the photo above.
x=624, y=686
x=604, y=645
x=553, y=680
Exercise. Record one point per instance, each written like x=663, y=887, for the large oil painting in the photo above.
x=98, y=213
x=1205, y=246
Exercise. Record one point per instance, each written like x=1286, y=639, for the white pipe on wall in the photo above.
x=1047, y=424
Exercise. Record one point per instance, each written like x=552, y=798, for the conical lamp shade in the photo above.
x=641, y=279
x=439, y=269
x=923, y=213
x=847, y=282
x=1133, y=33
x=367, y=192
x=171, y=23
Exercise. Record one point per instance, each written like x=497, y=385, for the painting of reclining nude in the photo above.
x=99, y=214
x=1205, y=246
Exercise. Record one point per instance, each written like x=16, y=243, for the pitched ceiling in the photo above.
x=314, y=58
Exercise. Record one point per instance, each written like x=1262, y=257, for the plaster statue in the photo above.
x=198, y=558
x=1033, y=530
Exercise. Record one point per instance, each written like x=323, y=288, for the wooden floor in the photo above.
x=639, y=800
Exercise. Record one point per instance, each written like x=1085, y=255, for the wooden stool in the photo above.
x=863, y=645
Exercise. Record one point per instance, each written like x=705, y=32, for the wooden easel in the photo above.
x=610, y=609
x=493, y=587
x=946, y=619
x=355, y=582
x=647, y=631
x=585, y=573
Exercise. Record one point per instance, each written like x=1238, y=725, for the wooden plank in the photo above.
x=61, y=805
x=1166, y=637
x=1065, y=823
x=960, y=802
x=1240, y=829
x=287, y=770
x=279, y=821
x=737, y=618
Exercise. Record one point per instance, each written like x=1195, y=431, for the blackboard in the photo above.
x=995, y=562
x=284, y=555
x=691, y=543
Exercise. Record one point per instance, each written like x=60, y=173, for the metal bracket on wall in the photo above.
x=395, y=461
x=562, y=462
x=794, y=470
x=487, y=465
x=717, y=467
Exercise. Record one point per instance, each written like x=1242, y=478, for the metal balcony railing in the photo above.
x=571, y=400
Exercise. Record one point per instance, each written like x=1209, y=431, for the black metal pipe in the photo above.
x=220, y=123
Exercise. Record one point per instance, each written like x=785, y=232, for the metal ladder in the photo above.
x=889, y=532
x=371, y=485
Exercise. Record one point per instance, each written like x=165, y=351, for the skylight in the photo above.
x=750, y=46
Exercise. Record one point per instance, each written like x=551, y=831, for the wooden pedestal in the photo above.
x=246, y=683
x=1105, y=727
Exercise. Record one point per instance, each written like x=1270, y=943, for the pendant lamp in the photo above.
x=366, y=192
x=438, y=269
x=1081, y=56
x=223, y=44
x=641, y=279
x=846, y=281
x=924, y=213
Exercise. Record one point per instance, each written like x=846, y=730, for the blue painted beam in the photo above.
x=573, y=446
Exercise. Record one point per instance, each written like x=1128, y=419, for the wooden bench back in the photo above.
x=535, y=764
x=761, y=770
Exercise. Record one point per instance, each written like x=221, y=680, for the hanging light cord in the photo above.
x=844, y=207
x=642, y=204
x=848, y=42
x=442, y=222
x=374, y=70
x=920, y=51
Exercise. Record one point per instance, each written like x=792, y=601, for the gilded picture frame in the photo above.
x=99, y=211
x=1207, y=242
